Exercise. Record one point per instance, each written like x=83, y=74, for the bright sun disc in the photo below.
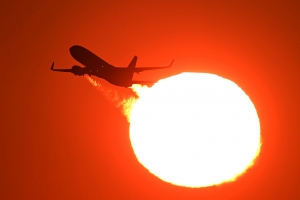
x=195, y=130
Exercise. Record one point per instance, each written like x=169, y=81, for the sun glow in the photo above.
x=194, y=129
x=191, y=129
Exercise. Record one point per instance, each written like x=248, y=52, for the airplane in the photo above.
x=95, y=66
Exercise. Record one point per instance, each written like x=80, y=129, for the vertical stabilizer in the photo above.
x=132, y=63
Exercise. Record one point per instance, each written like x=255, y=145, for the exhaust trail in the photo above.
x=123, y=98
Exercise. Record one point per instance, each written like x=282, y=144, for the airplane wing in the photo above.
x=60, y=70
x=140, y=69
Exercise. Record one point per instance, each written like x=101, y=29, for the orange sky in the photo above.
x=61, y=139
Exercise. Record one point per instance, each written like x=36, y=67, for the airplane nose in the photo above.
x=74, y=49
x=79, y=52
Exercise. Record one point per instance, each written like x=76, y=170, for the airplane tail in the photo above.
x=132, y=63
x=131, y=68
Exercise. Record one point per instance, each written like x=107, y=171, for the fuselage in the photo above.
x=95, y=66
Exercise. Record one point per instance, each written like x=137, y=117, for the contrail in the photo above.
x=123, y=98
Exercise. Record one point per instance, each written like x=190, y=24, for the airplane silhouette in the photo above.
x=95, y=66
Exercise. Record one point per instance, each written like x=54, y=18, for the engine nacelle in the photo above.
x=77, y=70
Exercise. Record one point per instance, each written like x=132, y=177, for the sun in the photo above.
x=195, y=130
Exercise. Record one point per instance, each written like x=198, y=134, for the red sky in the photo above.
x=61, y=139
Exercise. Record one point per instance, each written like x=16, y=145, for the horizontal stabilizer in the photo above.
x=149, y=83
